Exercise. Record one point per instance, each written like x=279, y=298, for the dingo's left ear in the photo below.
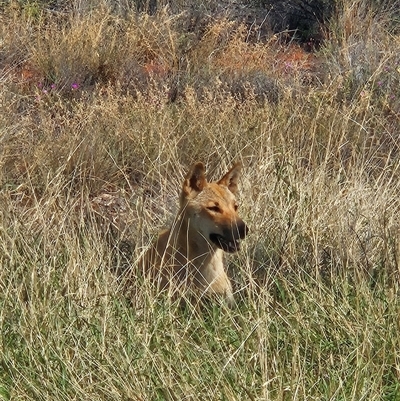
x=230, y=179
x=194, y=182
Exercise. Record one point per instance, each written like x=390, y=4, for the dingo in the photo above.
x=190, y=253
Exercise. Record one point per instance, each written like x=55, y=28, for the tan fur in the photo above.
x=190, y=253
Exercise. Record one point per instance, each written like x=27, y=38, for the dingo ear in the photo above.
x=194, y=182
x=230, y=179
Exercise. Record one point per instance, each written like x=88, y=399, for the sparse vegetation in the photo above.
x=101, y=113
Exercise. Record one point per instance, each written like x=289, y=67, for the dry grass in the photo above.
x=100, y=117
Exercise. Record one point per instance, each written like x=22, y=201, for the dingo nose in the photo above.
x=242, y=229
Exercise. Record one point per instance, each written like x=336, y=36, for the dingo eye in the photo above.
x=236, y=207
x=214, y=208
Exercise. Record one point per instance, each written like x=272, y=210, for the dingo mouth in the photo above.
x=227, y=245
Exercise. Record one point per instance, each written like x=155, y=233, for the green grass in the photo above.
x=101, y=116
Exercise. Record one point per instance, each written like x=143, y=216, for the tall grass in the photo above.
x=101, y=116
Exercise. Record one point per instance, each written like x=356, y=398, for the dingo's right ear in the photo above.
x=194, y=182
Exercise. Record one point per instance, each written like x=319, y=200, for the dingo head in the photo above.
x=211, y=209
